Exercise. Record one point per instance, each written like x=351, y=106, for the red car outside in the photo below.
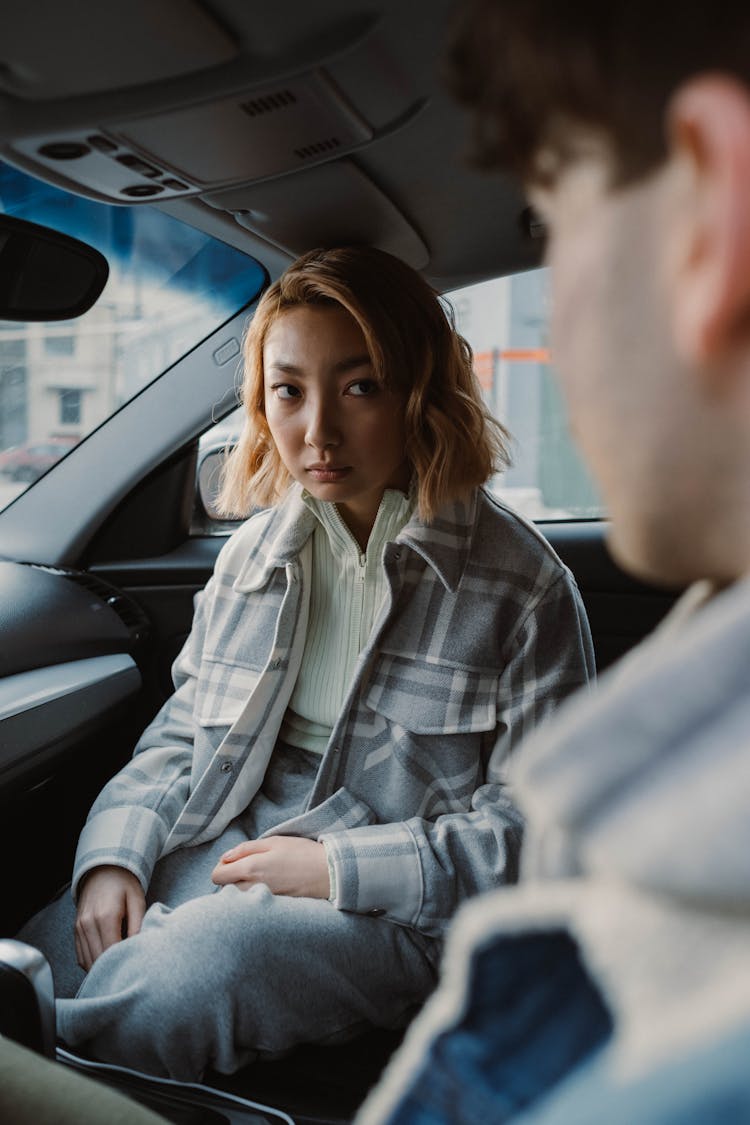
x=27, y=462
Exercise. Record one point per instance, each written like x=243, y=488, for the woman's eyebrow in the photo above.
x=284, y=366
x=349, y=363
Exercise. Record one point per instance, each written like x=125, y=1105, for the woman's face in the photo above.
x=338, y=430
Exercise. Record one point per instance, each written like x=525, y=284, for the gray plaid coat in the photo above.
x=481, y=636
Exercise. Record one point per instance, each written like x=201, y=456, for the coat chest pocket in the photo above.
x=222, y=692
x=429, y=698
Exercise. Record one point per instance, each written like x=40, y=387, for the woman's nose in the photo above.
x=322, y=428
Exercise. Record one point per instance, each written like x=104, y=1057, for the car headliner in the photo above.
x=287, y=127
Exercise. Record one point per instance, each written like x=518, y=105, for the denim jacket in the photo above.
x=482, y=633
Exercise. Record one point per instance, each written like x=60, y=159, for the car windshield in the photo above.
x=169, y=287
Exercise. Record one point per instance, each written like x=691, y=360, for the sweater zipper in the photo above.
x=361, y=576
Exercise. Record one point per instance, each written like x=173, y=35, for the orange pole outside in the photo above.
x=525, y=355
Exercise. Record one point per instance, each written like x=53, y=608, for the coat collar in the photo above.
x=444, y=543
x=288, y=527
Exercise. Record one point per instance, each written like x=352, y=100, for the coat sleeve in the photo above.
x=418, y=871
x=131, y=818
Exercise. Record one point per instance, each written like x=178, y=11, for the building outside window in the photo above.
x=60, y=345
x=70, y=406
x=13, y=387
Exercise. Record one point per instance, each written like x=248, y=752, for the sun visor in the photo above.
x=342, y=206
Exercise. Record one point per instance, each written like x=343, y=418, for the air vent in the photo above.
x=320, y=148
x=268, y=102
x=129, y=612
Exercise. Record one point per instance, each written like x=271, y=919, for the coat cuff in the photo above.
x=126, y=837
x=376, y=870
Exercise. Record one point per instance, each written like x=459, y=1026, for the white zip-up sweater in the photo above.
x=347, y=588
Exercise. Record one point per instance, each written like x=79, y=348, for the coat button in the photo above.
x=377, y=912
x=226, y=766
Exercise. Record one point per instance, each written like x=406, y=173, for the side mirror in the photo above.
x=207, y=519
x=46, y=275
x=209, y=480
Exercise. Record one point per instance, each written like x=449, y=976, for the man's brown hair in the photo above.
x=529, y=69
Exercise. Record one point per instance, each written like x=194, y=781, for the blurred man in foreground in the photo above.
x=614, y=983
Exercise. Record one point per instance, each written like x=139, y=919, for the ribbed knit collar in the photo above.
x=393, y=513
x=444, y=542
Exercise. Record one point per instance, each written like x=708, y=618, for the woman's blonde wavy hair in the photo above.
x=452, y=441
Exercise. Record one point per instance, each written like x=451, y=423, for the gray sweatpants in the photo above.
x=218, y=975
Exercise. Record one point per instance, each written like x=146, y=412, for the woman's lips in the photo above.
x=328, y=474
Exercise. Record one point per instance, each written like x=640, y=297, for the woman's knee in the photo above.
x=235, y=921
x=197, y=951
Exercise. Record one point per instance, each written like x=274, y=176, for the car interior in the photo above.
x=260, y=133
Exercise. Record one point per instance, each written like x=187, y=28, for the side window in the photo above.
x=505, y=322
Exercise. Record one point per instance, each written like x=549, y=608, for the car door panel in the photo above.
x=71, y=704
x=46, y=710
x=71, y=644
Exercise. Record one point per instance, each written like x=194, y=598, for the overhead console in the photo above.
x=219, y=102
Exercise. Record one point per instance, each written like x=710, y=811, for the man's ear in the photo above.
x=709, y=138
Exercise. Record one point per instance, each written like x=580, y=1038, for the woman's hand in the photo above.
x=111, y=905
x=288, y=865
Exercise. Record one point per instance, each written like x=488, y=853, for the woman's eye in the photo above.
x=362, y=387
x=286, y=390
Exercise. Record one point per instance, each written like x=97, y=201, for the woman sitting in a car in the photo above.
x=279, y=860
